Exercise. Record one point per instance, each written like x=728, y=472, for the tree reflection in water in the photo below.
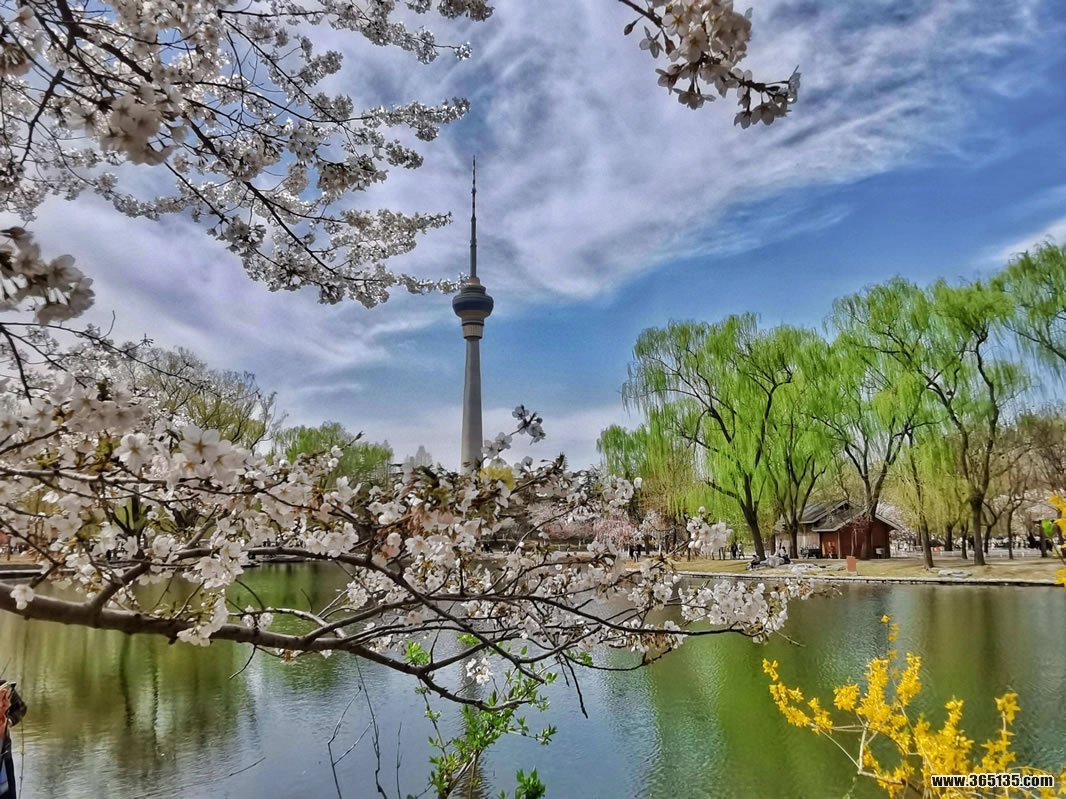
x=113, y=715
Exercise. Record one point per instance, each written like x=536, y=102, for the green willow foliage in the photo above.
x=360, y=461
x=670, y=485
x=1036, y=282
x=717, y=387
x=227, y=401
x=917, y=391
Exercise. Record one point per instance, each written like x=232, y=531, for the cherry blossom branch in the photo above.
x=225, y=97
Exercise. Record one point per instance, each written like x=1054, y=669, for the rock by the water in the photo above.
x=953, y=573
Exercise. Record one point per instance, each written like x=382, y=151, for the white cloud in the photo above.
x=169, y=281
x=1055, y=233
x=573, y=432
x=589, y=175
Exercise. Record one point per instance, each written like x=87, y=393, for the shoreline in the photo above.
x=910, y=580
x=15, y=570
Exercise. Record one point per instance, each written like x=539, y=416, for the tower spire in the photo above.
x=473, y=219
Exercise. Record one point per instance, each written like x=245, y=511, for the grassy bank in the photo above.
x=1022, y=570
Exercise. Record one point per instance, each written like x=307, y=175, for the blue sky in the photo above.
x=928, y=142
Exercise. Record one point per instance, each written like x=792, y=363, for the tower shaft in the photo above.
x=472, y=429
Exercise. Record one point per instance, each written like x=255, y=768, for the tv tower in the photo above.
x=472, y=305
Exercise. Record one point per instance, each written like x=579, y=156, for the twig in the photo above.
x=399, y=759
x=377, y=737
x=172, y=790
x=255, y=648
x=329, y=744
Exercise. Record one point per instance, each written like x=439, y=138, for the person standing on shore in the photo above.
x=12, y=709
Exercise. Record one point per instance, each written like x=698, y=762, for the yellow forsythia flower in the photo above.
x=770, y=668
x=845, y=696
x=1007, y=705
x=913, y=749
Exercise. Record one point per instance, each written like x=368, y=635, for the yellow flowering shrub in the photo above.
x=1060, y=504
x=886, y=741
x=503, y=473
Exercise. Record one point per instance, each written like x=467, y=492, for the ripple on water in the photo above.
x=113, y=715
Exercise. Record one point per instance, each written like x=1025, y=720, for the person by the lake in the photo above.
x=733, y=551
x=12, y=709
x=1051, y=537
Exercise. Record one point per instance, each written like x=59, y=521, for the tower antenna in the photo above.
x=473, y=220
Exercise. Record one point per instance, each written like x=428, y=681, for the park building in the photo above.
x=835, y=530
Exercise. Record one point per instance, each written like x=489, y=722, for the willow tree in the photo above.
x=661, y=461
x=358, y=460
x=946, y=338
x=225, y=400
x=868, y=401
x=1036, y=282
x=975, y=381
x=800, y=449
x=717, y=387
x=624, y=452
x=1045, y=431
x=925, y=483
x=1016, y=469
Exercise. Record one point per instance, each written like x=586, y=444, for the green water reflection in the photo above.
x=113, y=715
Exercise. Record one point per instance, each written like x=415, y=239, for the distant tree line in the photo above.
x=246, y=414
x=941, y=398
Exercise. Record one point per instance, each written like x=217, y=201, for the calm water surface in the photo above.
x=119, y=716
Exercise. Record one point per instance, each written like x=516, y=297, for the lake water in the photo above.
x=119, y=716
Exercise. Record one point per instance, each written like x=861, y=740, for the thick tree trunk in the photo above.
x=865, y=530
x=976, y=506
x=1010, y=534
x=923, y=537
x=927, y=548
x=949, y=543
x=793, y=535
x=751, y=516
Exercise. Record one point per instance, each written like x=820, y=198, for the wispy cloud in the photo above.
x=572, y=432
x=169, y=281
x=590, y=175
x=1054, y=233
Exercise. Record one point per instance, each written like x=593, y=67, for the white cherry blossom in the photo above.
x=23, y=595
x=107, y=490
